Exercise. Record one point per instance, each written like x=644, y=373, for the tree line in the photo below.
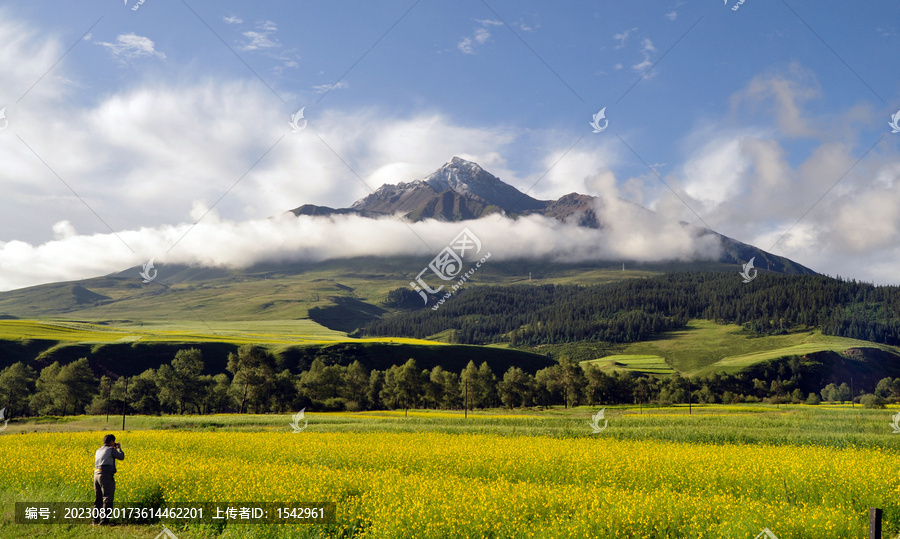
x=254, y=384
x=634, y=309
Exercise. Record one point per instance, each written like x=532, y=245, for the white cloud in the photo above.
x=745, y=186
x=468, y=44
x=672, y=15
x=262, y=39
x=623, y=37
x=576, y=172
x=137, y=162
x=25, y=54
x=130, y=47
x=340, y=85
x=785, y=95
x=715, y=173
x=627, y=233
x=258, y=40
x=233, y=19
x=288, y=61
x=646, y=49
x=267, y=26
x=63, y=230
x=465, y=45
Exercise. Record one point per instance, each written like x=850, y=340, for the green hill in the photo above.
x=648, y=364
x=705, y=347
x=129, y=350
x=287, y=291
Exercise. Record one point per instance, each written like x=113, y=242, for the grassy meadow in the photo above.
x=633, y=362
x=704, y=347
x=711, y=471
x=274, y=332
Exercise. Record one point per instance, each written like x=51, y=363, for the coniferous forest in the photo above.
x=632, y=310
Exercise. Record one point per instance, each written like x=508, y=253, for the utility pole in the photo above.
x=689, y=397
x=467, y=400
x=851, y=393
x=108, y=389
x=124, y=402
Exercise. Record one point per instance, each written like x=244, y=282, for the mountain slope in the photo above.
x=285, y=290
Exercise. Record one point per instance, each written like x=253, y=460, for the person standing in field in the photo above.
x=104, y=478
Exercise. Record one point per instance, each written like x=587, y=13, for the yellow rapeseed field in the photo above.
x=392, y=485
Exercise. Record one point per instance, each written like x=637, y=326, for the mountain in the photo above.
x=458, y=176
x=461, y=190
x=458, y=191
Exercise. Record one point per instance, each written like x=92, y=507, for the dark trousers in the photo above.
x=104, y=491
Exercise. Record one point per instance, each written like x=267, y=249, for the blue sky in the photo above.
x=748, y=115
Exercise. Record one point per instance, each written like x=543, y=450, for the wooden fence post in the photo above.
x=874, y=523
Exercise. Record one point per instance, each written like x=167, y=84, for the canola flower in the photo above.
x=433, y=485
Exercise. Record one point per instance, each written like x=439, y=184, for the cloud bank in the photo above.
x=628, y=233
